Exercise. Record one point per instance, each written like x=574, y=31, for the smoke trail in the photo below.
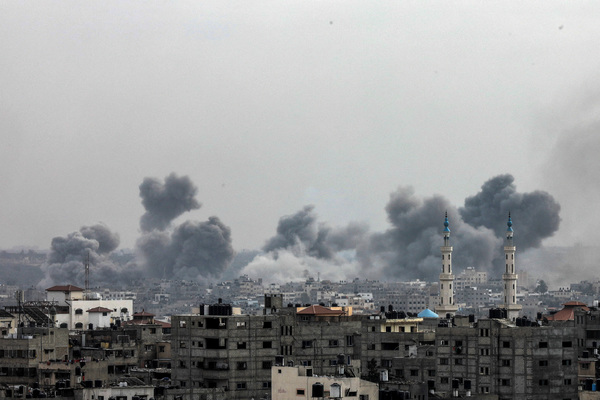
x=165, y=202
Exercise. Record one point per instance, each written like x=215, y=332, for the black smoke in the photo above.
x=166, y=201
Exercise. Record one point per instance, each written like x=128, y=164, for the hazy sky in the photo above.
x=268, y=106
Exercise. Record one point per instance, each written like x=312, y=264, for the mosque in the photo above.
x=446, y=303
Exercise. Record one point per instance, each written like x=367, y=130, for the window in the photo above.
x=484, y=370
x=241, y=386
x=566, y=382
x=267, y=345
x=241, y=345
x=79, y=311
x=543, y=345
x=240, y=324
x=267, y=385
x=349, y=340
x=443, y=361
x=584, y=365
x=485, y=389
x=543, y=382
x=266, y=365
x=268, y=324
x=444, y=380
x=242, y=365
x=484, y=352
x=484, y=332
x=386, y=363
x=443, y=342
x=182, y=344
x=566, y=362
x=414, y=372
x=78, y=325
x=543, y=363
x=458, y=361
x=334, y=343
x=505, y=363
x=299, y=392
x=431, y=372
x=307, y=344
x=504, y=382
x=506, y=345
x=567, y=344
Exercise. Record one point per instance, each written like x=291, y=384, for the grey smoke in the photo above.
x=410, y=248
x=536, y=214
x=68, y=255
x=191, y=250
x=194, y=250
x=166, y=201
x=303, y=232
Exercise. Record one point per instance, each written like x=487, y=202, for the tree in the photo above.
x=541, y=287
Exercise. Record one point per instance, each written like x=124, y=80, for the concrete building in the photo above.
x=294, y=383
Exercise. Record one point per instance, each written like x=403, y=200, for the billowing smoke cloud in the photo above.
x=166, y=201
x=302, y=231
x=536, y=213
x=410, y=248
x=194, y=250
x=66, y=261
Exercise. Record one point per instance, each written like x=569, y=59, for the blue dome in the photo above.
x=509, y=224
x=427, y=313
x=446, y=224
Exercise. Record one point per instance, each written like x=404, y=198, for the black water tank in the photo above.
x=471, y=318
x=317, y=390
x=382, y=308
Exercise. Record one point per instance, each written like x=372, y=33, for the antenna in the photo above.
x=87, y=276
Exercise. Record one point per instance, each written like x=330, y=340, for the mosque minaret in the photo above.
x=446, y=304
x=510, y=277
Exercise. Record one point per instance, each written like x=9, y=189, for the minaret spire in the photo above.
x=510, y=276
x=446, y=302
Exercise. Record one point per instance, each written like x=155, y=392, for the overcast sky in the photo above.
x=269, y=106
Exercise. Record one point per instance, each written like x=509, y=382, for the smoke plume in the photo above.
x=302, y=231
x=68, y=255
x=166, y=201
x=191, y=250
x=410, y=248
x=536, y=213
x=194, y=250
